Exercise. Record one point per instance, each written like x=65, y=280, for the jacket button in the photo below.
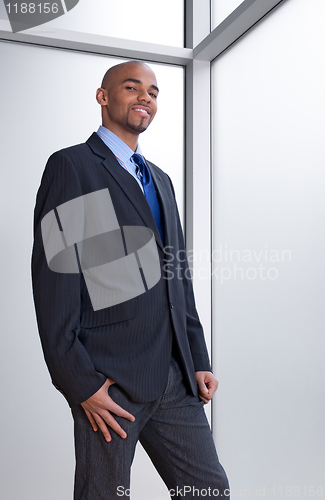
x=171, y=305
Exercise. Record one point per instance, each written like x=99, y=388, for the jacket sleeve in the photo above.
x=57, y=295
x=194, y=328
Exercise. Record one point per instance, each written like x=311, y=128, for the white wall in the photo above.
x=47, y=103
x=268, y=194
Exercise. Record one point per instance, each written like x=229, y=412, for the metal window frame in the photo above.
x=201, y=48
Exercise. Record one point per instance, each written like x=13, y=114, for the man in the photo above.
x=139, y=369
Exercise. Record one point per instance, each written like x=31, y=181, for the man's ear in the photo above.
x=101, y=96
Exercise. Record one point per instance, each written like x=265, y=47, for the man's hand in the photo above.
x=207, y=385
x=98, y=408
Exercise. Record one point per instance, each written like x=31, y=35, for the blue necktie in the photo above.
x=149, y=192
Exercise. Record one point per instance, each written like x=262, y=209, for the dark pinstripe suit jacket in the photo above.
x=130, y=342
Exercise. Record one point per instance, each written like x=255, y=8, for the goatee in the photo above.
x=137, y=128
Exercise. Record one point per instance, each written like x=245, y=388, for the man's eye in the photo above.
x=153, y=95
x=131, y=88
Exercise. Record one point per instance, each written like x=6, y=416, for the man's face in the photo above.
x=131, y=99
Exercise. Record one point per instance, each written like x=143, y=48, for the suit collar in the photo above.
x=129, y=184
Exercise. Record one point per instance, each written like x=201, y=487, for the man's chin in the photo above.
x=137, y=128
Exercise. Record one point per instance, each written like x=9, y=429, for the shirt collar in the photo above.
x=120, y=149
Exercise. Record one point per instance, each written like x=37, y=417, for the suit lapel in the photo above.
x=126, y=182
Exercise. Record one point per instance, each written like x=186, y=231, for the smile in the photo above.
x=141, y=111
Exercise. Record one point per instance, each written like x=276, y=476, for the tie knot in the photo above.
x=139, y=161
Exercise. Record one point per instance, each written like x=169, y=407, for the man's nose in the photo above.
x=144, y=97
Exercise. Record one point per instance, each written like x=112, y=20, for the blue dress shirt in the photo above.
x=121, y=150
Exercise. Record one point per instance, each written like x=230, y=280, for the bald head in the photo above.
x=112, y=74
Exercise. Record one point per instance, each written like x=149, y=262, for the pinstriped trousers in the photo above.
x=174, y=432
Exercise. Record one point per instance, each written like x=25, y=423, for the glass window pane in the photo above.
x=269, y=246
x=155, y=22
x=220, y=9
